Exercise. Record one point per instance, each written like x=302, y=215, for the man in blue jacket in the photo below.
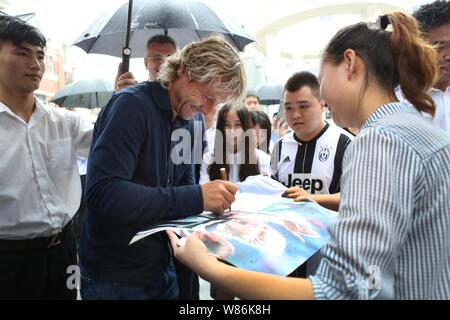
x=130, y=185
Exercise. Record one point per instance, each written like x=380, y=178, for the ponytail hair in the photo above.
x=417, y=65
x=400, y=57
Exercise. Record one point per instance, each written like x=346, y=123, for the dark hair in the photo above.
x=261, y=118
x=18, y=31
x=401, y=57
x=246, y=169
x=433, y=15
x=252, y=94
x=161, y=39
x=303, y=79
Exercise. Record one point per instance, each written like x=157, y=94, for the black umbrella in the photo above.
x=26, y=16
x=185, y=21
x=23, y=16
x=269, y=93
x=93, y=93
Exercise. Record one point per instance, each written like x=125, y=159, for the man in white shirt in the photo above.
x=39, y=182
x=434, y=19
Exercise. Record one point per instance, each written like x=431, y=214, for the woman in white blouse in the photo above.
x=234, y=148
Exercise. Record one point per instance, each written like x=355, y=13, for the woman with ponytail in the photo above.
x=391, y=240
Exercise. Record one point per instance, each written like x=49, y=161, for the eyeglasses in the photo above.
x=156, y=58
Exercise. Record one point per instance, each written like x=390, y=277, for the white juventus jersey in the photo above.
x=315, y=165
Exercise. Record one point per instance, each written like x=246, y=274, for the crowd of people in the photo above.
x=383, y=164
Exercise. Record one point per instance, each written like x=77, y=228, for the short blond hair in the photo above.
x=211, y=60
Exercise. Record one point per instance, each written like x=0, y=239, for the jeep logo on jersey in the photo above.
x=311, y=183
x=324, y=154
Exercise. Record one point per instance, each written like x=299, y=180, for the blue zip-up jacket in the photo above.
x=129, y=186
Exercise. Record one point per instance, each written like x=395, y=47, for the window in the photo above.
x=51, y=64
x=68, y=77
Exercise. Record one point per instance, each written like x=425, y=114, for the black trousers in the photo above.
x=188, y=282
x=31, y=270
x=308, y=268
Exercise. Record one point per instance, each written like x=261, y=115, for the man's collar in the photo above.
x=160, y=96
x=439, y=90
x=3, y=107
x=39, y=107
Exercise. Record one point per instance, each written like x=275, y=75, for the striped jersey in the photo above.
x=314, y=165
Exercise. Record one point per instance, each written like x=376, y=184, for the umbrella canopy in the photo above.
x=269, y=93
x=26, y=16
x=184, y=21
x=92, y=93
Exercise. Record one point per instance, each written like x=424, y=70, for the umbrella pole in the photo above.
x=126, y=51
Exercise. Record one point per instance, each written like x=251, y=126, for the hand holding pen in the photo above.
x=218, y=195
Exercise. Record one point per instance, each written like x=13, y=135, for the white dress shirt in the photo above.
x=210, y=136
x=40, y=186
x=442, y=101
x=234, y=160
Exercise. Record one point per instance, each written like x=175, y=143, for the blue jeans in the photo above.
x=96, y=289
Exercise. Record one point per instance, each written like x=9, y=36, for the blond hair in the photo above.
x=211, y=60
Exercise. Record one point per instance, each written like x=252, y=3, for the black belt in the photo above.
x=37, y=243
